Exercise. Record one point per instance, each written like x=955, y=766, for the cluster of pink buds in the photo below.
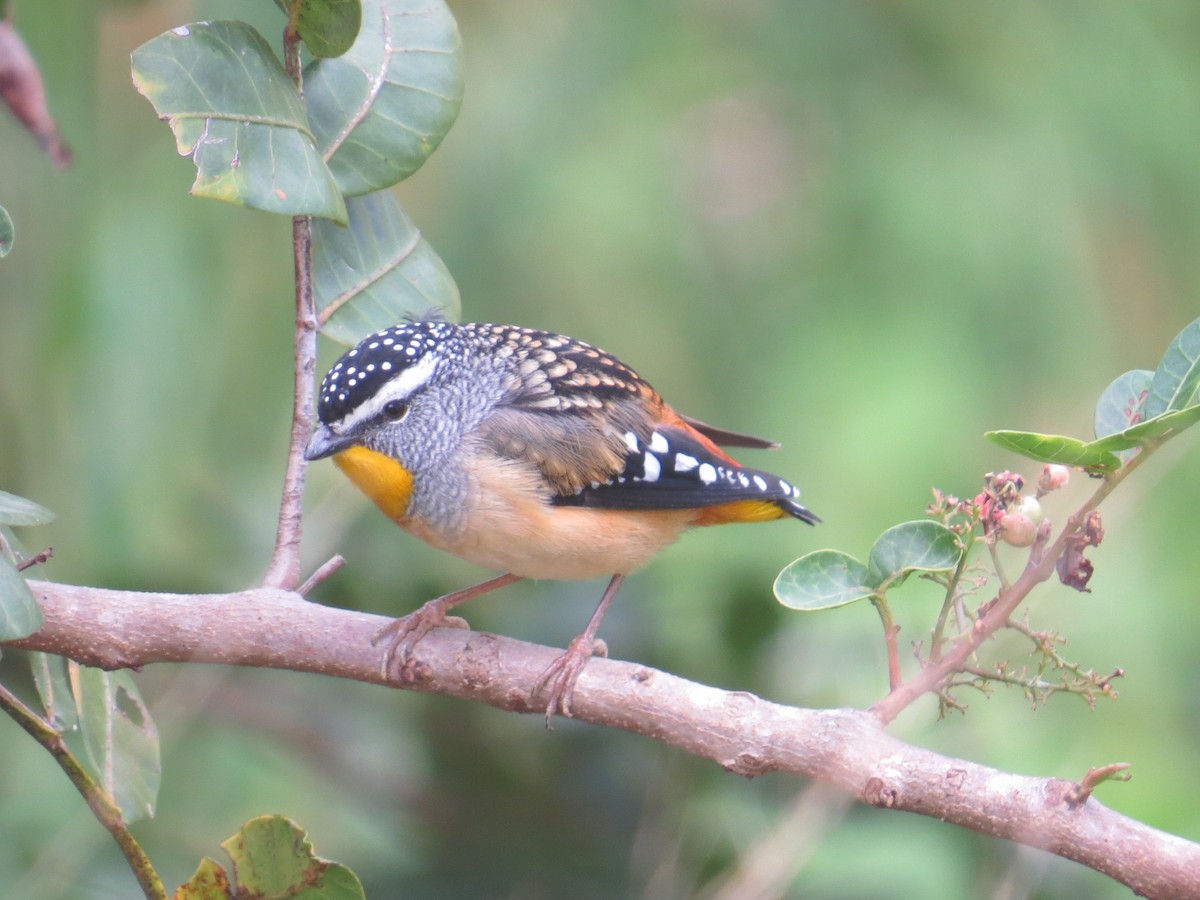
x=1008, y=514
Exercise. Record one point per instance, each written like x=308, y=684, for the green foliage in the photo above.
x=829, y=578
x=119, y=737
x=376, y=271
x=380, y=110
x=1137, y=408
x=858, y=229
x=6, y=232
x=377, y=111
x=327, y=27
x=271, y=857
x=238, y=115
x=20, y=614
x=16, y=510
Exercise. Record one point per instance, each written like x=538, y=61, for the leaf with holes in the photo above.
x=119, y=738
x=920, y=546
x=382, y=108
x=20, y=615
x=1174, y=384
x=823, y=579
x=236, y=113
x=377, y=271
x=1096, y=457
x=272, y=857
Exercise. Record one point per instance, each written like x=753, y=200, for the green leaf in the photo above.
x=1096, y=456
x=120, y=739
x=209, y=882
x=272, y=857
x=1120, y=406
x=20, y=615
x=920, y=546
x=16, y=510
x=1174, y=384
x=1152, y=428
x=6, y=232
x=377, y=271
x=823, y=579
x=328, y=27
x=381, y=109
x=54, y=687
x=236, y=113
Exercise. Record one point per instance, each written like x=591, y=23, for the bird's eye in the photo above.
x=395, y=410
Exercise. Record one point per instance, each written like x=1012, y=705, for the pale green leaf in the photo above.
x=328, y=27
x=120, y=739
x=1178, y=375
x=382, y=108
x=54, y=688
x=822, y=580
x=272, y=857
x=920, y=546
x=6, y=232
x=377, y=271
x=1055, y=448
x=1120, y=406
x=16, y=510
x=20, y=615
x=239, y=117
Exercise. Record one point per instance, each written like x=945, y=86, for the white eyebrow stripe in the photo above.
x=400, y=387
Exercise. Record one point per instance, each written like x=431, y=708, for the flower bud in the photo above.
x=1053, y=477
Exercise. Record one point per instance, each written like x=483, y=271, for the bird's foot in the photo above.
x=560, y=676
x=405, y=633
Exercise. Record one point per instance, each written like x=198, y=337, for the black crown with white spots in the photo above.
x=375, y=360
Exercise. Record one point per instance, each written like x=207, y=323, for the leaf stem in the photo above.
x=890, y=630
x=99, y=802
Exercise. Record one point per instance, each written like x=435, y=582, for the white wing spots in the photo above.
x=631, y=442
x=658, y=443
x=760, y=482
x=743, y=480
x=651, y=468
x=385, y=366
x=685, y=463
x=707, y=473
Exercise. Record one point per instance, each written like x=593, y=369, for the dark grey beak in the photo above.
x=325, y=443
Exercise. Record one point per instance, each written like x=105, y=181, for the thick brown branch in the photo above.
x=743, y=733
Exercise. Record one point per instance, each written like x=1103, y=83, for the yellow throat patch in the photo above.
x=385, y=481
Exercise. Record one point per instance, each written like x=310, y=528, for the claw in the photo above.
x=560, y=676
x=405, y=633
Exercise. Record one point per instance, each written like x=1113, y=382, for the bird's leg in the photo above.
x=404, y=634
x=560, y=676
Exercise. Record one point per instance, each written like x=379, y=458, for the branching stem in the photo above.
x=101, y=805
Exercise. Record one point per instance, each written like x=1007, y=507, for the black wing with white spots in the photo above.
x=672, y=470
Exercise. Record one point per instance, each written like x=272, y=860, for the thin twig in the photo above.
x=99, y=802
x=1041, y=566
x=324, y=571
x=284, y=570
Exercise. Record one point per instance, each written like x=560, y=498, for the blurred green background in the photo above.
x=871, y=231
